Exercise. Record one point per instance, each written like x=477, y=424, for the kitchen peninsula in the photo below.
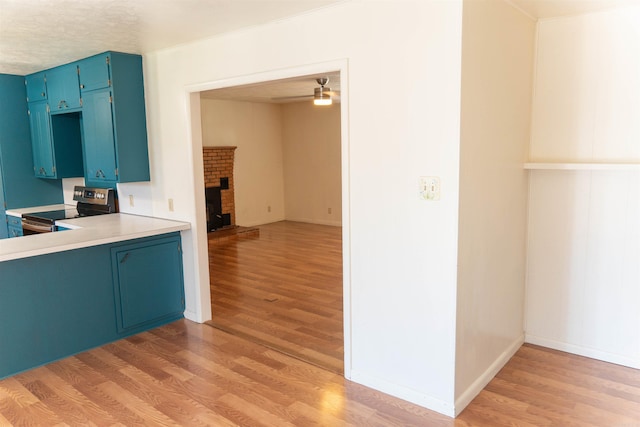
x=105, y=278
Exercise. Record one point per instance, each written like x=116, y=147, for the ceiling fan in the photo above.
x=322, y=95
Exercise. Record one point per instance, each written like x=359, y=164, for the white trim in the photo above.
x=579, y=350
x=191, y=315
x=481, y=382
x=198, y=253
x=582, y=166
x=521, y=10
x=195, y=139
x=404, y=393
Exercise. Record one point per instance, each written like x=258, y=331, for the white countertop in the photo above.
x=85, y=232
x=19, y=212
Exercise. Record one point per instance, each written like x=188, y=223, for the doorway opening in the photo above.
x=283, y=288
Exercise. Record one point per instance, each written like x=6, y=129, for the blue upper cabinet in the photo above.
x=36, y=87
x=18, y=187
x=88, y=119
x=40, y=125
x=113, y=119
x=56, y=142
x=63, y=88
x=99, y=155
x=55, y=137
x=95, y=72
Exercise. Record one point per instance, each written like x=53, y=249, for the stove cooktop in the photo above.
x=52, y=216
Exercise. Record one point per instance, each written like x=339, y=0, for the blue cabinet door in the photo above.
x=41, y=141
x=56, y=142
x=63, y=88
x=3, y=215
x=18, y=185
x=15, y=231
x=115, y=133
x=148, y=280
x=98, y=143
x=49, y=312
x=14, y=226
x=94, y=72
x=36, y=88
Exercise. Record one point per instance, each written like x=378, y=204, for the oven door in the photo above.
x=35, y=227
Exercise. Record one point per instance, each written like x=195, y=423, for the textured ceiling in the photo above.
x=38, y=34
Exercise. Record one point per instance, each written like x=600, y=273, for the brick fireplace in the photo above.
x=218, y=182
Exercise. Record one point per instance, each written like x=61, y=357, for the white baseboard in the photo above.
x=191, y=315
x=335, y=223
x=481, y=382
x=592, y=353
x=305, y=220
x=404, y=393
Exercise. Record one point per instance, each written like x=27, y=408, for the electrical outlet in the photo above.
x=131, y=200
x=430, y=187
x=170, y=205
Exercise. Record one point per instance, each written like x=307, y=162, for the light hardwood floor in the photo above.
x=188, y=374
x=283, y=289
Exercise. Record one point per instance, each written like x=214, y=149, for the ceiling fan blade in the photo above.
x=282, y=98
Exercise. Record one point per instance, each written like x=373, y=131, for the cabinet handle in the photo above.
x=81, y=86
x=62, y=104
x=42, y=94
x=124, y=258
x=42, y=171
x=100, y=174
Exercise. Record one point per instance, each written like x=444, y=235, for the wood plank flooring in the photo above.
x=188, y=374
x=283, y=289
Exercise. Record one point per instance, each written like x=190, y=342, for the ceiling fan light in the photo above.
x=321, y=97
x=324, y=101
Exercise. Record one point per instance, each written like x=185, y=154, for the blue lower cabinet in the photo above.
x=148, y=282
x=15, y=231
x=50, y=310
x=14, y=225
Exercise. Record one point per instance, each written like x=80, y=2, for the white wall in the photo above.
x=256, y=129
x=400, y=269
x=583, y=280
x=311, y=151
x=287, y=162
x=497, y=78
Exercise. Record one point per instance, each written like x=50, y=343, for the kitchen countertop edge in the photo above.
x=88, y=231
x=19, y=211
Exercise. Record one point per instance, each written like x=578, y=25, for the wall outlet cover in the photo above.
x=430, y=188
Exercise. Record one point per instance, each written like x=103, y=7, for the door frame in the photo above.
x=194, y=117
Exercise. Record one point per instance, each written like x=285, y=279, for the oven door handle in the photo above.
x=35, y=227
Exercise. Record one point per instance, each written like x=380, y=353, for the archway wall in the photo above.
x=400, y=262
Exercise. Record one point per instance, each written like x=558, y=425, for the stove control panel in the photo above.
x=94, y=196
